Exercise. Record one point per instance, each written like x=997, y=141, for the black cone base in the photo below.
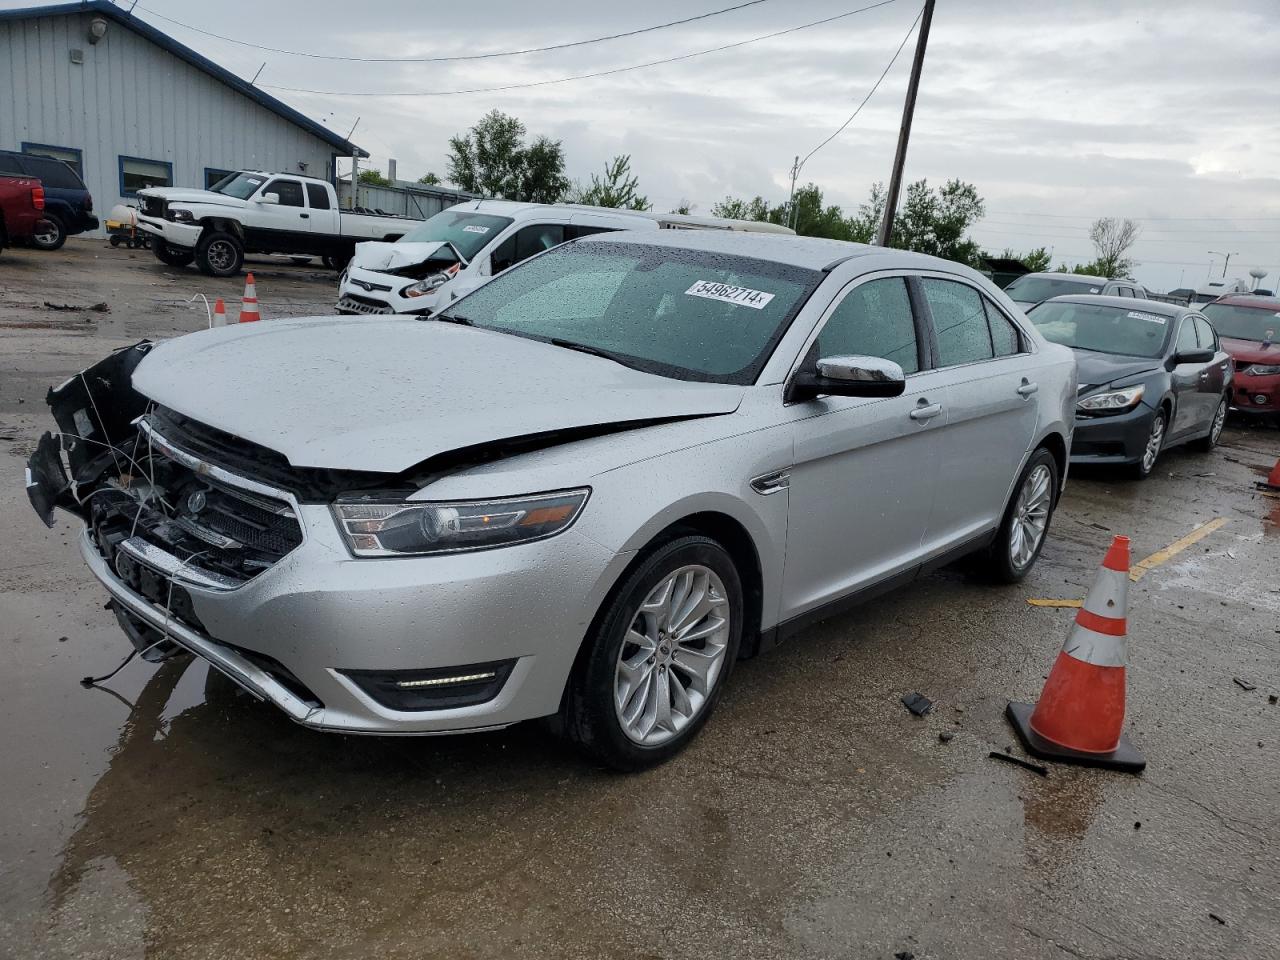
x=1124, y=757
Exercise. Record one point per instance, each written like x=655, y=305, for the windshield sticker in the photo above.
x=473, y=228
x=1150, y=317
x=727, y=293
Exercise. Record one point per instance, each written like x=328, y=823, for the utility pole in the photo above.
x=1227, y=260
x=791, y=200
x=904, y=134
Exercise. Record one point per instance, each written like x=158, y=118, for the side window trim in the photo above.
x=933, y=326
x=1024, y=339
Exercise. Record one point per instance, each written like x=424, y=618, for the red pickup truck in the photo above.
x=21, y=208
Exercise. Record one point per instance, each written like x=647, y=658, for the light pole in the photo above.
x=904, y=134
x=1228, y=256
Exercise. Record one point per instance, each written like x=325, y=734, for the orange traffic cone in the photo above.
x=219, y=313
x=1080, y=716
x=1272, y=482
x=249, y=303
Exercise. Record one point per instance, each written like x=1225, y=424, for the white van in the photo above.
x=464, y=246
x=1219, y=288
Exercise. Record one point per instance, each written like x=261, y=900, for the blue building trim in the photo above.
x=133, y=193
x=209, y=182
x=111, y=12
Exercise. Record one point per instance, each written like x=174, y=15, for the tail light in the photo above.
x=37, y=197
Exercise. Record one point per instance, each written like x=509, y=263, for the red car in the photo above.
x=1247, y=326
x=21, y=208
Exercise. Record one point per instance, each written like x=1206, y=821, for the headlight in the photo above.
x=424, y=287
x=376, y=529
x=1261, y=369
x=1113, y=401
x=182, y=216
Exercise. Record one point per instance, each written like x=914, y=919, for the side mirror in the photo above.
x=848, y=376
x=1193, y=356
x=270, y=199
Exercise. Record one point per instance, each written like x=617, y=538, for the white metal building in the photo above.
x=129, y=106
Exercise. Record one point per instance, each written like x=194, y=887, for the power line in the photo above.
x=1271, y=241
x=870, y=93
x=580, y=76
x=474, y=56
x=1188, y=231
x=1082, y=216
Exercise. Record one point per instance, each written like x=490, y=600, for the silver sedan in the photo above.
x=582, y=491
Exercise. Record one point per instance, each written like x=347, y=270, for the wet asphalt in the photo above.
x=171, y=816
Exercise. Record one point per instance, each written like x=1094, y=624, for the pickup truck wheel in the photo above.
x=337, y=262
x=52, y=236
x=219, y=254
x=173, y=256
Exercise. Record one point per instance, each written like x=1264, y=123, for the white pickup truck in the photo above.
x=254, y=212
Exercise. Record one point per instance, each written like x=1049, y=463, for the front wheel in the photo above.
x=219, y=254
x=51, y=235
x=1026, y=520
x=337, y=262
x=173, y=256
x=656, y=661
x=1210, y=439
x=1151, y=452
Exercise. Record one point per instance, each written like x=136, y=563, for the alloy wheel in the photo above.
x=672, y=655
x=221, y=255
x=1154, y=442
x=1030, y=516
x=46, y=236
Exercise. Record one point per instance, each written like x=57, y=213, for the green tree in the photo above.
x=936, y=222
x=491, y=159
x=374, y=178
x=429, y=179
x=618, y=188
x=735, y=208
x=1037, y=260
x=684, y=207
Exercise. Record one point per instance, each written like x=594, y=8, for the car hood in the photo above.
x=187, y=195
x=1250, y=351
x=1095, y=369
x=385, y=395
x=377, y=255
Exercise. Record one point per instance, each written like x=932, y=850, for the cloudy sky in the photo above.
x=1057, y=111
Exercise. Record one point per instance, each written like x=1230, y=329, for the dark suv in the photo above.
x=68, y=205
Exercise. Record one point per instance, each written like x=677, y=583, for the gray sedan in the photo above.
x=582, y=491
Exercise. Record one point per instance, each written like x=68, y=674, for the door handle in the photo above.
x=305, y=216
x=1027, y=389
x=926, y=411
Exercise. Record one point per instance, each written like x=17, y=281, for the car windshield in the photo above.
x=1102, y=328
x=684, y=314
x=239, y=185
x=467, y=230
x=1243, y=323
x=1035, y=289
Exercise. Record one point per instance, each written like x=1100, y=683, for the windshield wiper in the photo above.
x=594, y=351
x=451, y=318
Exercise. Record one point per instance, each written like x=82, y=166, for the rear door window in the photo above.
x=874, y=320
x=1004, y=335
x=53, y=173
x=959, y=322
x=11, y=166
x=317, y=196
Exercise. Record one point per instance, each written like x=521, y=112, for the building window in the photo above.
x=212, y=175
x=138, y=174
x=69, y=155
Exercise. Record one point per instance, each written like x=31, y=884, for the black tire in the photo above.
x=219, y=254
x=173, y=256
x=114, y=240
x=588, y=716
x=54, y=237
x=999, y=562
x=1210, y=440
x=1142, y=469
x=337, y=262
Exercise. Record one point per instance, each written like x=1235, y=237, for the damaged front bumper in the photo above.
x=257, y=580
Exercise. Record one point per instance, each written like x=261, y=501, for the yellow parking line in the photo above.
x=1143, y=567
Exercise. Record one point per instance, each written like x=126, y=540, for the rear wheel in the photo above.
x=51, y=234
x=1026, y=520
x=114, y=240
x=219, y=254
x=1155, y=443
x=173, y=256
x=337, y=261
x=657, y=660
x=1210, y=439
